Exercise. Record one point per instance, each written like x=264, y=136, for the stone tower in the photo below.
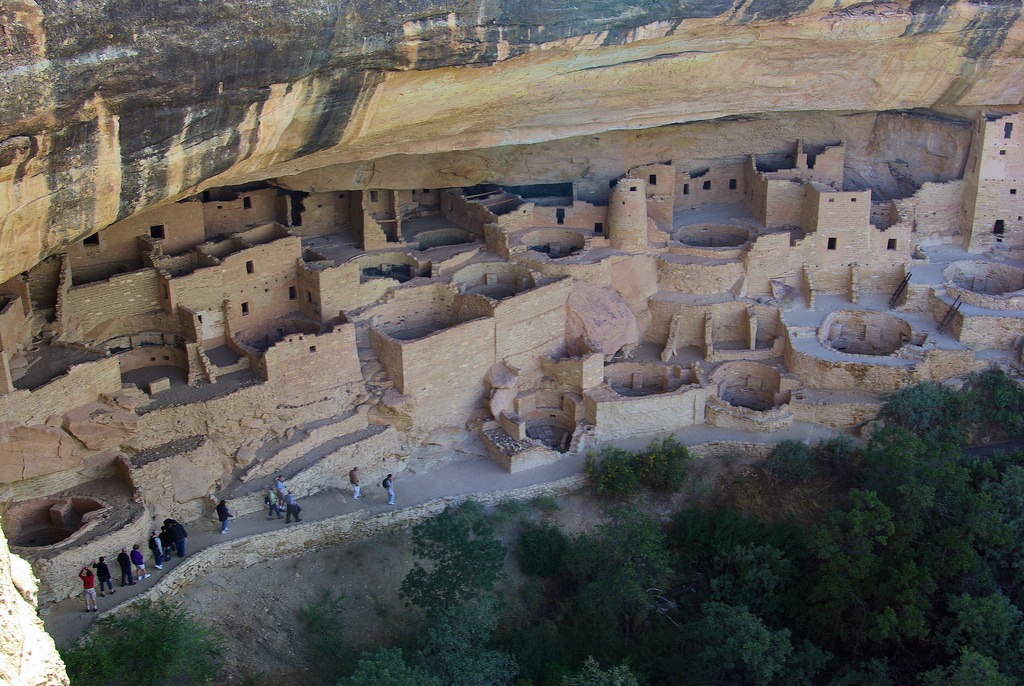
x=627, y=215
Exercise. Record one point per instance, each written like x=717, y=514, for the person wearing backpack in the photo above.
x=391, y=491
x=273, y=506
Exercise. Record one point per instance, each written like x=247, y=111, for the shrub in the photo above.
x=837, y=457
x=791, y=461
x=155, y=644
x=326, y=631
x=612, y=472
x=663, y=465
x=927, y=410
x=541, y=549
x=1002, y=399
x=546, y=504
x=620, y=473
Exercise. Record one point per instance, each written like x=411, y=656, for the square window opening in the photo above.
x=686, y=189
x=1002, y=152
x=653, y=179
x=373, y=196
x=707, y=185
x=312, y=348
x=1007, y=130
x=293, y=293
x=831, y=243
x=247, y=203
x=91, y=240
x=732, y=184
x=598, y=227
x=157, y=231
x=1013, y=191
x=890, y=244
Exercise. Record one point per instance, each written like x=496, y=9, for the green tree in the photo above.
x=154, y=643
x=460, y=558
x=454, y=647
x=541, y=548
x=970, y=669
x=592, y=675
x=387, y=667
x=619, y=569
x=752, y=575
x=730, y=645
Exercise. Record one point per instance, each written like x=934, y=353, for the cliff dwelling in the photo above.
x=324, y=270
x=195, y=338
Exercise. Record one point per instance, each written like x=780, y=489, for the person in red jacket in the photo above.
x=88, y=588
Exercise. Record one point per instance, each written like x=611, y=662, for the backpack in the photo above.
x=266, y=499
x=385, y=483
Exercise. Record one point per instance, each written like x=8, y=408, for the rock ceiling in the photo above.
x=110, y=107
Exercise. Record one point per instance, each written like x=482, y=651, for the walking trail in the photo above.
x=433, y=472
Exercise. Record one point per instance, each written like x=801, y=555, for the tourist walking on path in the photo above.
x=125, y=563
x=166, y=541
x=353, y=478
x=103, y=575
x=140, y=563
x=179, y=535
x=273, y=503
x=158, y=549
x=88, y=588
x=223, y=516
x=391, y=491
x=292, y=508
x=281, y=489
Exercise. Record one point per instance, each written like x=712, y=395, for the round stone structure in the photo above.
x=861, y=332
x=45, y=521
x=637, y=379
x=752, y=385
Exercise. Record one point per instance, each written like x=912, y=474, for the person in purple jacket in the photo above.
x=139, y=562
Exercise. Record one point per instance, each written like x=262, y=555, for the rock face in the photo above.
x=27, y=653
x=109, y=107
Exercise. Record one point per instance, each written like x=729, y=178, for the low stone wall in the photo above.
x=726, y=416
x=314, y=536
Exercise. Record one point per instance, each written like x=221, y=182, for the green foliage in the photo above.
x=663, y=465
x=546, y=504
x=507, y=511
x=618, y=569
x=700, y=536
x=387, y=667
x=791, y=461
x=326, y=632
x=154, y=644
x=837, y=458
x=612, y=472
x=730, y=645
x=753, y=576
x=454, y=647
x=618, y=473
x=1002, y=400
x=463, y=558
x=927, y=410
x=592, y=675
x=970, y=669
x=541, y=549
x=991, y=403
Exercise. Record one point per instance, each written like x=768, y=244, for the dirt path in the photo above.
x=433, y=472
